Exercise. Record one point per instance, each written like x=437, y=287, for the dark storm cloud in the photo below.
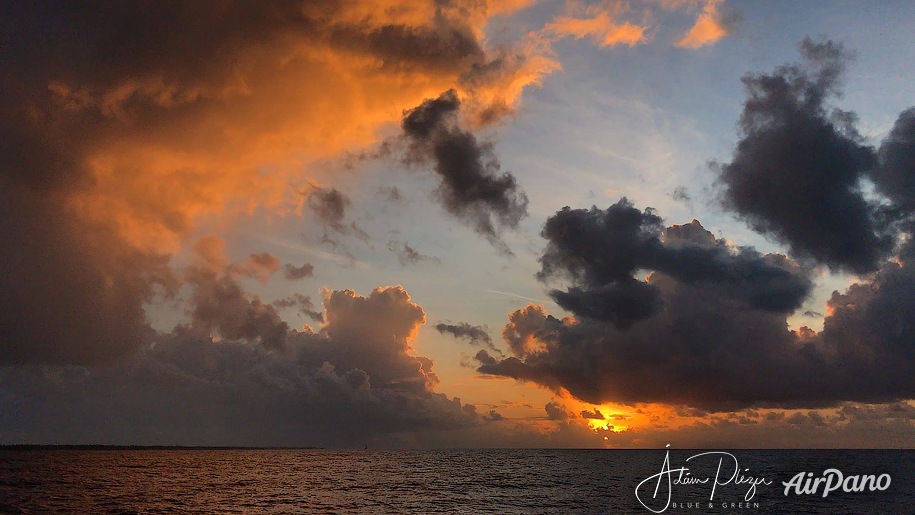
x=796, y=172
x=895, y=177
x=69, y=293
x=294, y=273
x=103, y=44
x=355, y=382
x=870, y=331
x=472, y=187
x=709, y=347
x=599, y=251
x=708, y=327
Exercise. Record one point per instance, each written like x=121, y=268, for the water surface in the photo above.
x=444, y=481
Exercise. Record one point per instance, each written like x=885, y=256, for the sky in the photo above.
x=458, y=223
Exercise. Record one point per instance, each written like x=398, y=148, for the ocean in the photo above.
x=450, y=481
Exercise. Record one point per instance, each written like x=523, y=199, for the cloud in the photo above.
x=69, y=292
x=601, y=28
x=681, y=194
x=391, y=194
x=294, y=273
x=493, y=416
x=303, y=303
x=707, y=327
x=796, y=172
x=594, y=415
x=407, y=255
x=220, y=306
x=115, y=141
x=710, y=27
x=894, y=177
x=471, y=186
x=556, y=411
x=719, y=331
x=603, y=283
x=491, y=90
x=356, y=381
x=852, y=425
x=212, y=109
x=485, y=357
x=260, y=266
x=475, y=335
x=330, y=205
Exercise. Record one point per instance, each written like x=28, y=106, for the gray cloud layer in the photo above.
x=353, y=382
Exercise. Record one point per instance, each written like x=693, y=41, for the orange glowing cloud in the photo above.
x=495, y=89
x=124, y=142
x=707, y=30
x=601, y=28
x=237, y=131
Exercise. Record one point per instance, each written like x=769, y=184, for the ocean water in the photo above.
x=439, y=481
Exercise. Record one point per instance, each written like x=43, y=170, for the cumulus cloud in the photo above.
x=472, y=187
x=797, y=170
x=219, y=306
x=707, y=326
x=599, y=252
x=718, y=332
x=354, y=382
